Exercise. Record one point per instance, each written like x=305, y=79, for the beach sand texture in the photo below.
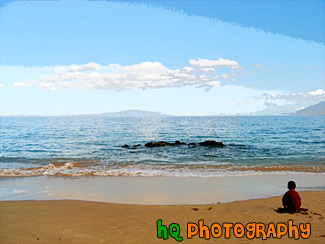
x=79, y=222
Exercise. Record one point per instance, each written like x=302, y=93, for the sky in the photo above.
x=174, y=57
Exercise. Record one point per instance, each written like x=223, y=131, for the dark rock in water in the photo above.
x=135, y=146
x=131, y=147
x=163, y=144
x=212, y=144
x=157, y=144
x=179, y=143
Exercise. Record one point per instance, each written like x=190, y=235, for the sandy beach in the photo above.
x=143, y=122
x=72, y=221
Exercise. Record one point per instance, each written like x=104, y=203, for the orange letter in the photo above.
x=280, y=232
x=260, y=228
x=213, y=232
x=271, y=230
x=241, y=233
x=293, y=228
x=190, y=231
x=305, y=233
x=227, y=227
x=203, y=228
x=250, y=227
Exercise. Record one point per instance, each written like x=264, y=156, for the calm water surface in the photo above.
x=82, y=146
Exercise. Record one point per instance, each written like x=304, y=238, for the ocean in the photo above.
x=78, y=146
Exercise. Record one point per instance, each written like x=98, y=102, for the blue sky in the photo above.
x=183, y=58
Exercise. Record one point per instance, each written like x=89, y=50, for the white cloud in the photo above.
x=213, y=63
x=259, y=66
x=143, y=67
x=2, y=86
x=21, y=84
x=317, y=92
x=146, y=75
x=290, y=102
x=77, y=68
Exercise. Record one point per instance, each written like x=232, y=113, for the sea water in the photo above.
x=93, y=146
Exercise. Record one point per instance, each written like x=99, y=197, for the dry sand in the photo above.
x=70, y=221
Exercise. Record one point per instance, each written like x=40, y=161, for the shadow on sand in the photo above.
x=303, y=211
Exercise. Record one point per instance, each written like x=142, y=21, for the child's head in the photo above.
x=291, y=185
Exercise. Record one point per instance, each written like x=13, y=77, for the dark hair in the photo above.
x=291, y=185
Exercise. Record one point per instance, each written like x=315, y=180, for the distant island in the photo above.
x=131, y=113
x=314, y=110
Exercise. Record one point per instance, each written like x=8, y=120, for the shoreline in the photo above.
x=155, y=190
x=75, y=221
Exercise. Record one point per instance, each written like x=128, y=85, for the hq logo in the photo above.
x=250, y=230
x=173, y=230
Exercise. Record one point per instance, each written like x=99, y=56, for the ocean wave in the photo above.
x=75, y=169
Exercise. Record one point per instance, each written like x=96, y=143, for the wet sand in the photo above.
x=75, y=221
x=156, y=190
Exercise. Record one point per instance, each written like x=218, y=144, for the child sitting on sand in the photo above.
x=291, y=200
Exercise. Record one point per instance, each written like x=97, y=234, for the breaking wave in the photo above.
x=75, y=169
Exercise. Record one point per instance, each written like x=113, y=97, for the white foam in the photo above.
x=190, y=170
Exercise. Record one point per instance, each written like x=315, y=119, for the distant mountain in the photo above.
x=314, y=110
x=132, y=113
x=126, y=113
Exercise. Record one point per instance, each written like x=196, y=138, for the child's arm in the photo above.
x=284, y=201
